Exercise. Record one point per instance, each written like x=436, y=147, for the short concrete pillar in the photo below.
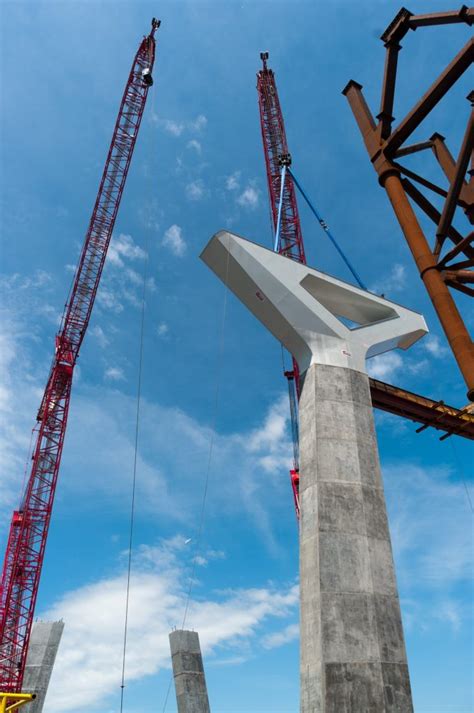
x=352, y=647
x=188, y=672
x=44, y=643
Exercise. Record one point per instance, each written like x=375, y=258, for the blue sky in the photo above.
x=198, y=167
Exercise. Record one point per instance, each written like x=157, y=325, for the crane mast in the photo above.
x=29, y=526
x=285, y=217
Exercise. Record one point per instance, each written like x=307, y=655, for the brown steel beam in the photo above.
x=398, y=28
x=388, y=89
x=435, y=93
x=448, y=164
x=435, y=216
x=459, y=275
x=462, y=288
x=458, y=180
x=353, y=92
x=451, y=321
x=461, y=265
x=465, y=14
x=390, y=178
x=421, y=409
x=414, y=148
x=467, y=241
x=419, y=179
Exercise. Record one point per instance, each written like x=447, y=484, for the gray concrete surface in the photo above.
x=188, y=672
x=44, y=643
x=353, y=656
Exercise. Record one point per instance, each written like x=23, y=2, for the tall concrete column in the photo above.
x=352, y=647
x=44, y=643
x=188, y=672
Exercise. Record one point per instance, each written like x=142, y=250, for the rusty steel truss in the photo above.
x=447, y=265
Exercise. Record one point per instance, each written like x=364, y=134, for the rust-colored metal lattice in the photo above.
x=447, y=264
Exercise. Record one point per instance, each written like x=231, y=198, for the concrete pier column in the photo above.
x=353, y=656
x=352, y=648
x=44, y=643
x=188, y=672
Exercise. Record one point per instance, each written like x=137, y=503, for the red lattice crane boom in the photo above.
x=276, y=155
x=283, y=205
x=29, y=526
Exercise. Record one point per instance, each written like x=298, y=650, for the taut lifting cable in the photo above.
x=325, y=227
x=280, y=205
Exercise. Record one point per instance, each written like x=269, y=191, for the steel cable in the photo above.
x=135, y=458
x=197, y=547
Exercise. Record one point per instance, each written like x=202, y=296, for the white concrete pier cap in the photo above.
x=303, y=307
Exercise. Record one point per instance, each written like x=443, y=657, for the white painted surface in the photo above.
x=302, y=307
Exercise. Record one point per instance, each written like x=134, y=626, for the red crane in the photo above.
x=29, y=526
x=285, y=217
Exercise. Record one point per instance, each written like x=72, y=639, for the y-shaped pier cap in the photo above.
x=318, y=318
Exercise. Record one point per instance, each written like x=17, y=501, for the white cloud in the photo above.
x=384, y=366
x=195, y=145
x=395, y=281
x=121, y=247
x=173, y=239
x=114, y=373
x=108, y=299
x=195, y=190
x=16, y=429
x=51, y=313
x=430, y=523
x=98, y=333
x=174, y=128
x=199, y=123
x=100, y=441
x=249, y=198
x=89, y=659
x=203, y=559
x=177, y=128
x=232, y=182
x=434, y=347
x=120, y=283
x=38, y=280
x=162, y=330
x=270, y=440
x=279, y=638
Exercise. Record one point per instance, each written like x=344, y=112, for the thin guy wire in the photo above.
x=134, y=479
x=134, y=482
x=209, y=461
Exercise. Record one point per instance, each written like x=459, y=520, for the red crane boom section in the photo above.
x=290, y=236
x=29, y=526
x=276, y=153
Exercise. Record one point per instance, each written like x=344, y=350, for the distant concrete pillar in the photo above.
x=352, y=647
x=188, y=671
x=44, y=643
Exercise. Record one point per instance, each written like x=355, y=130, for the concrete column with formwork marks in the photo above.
x=44, y=643
x=188, y=672
x=352, y=647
